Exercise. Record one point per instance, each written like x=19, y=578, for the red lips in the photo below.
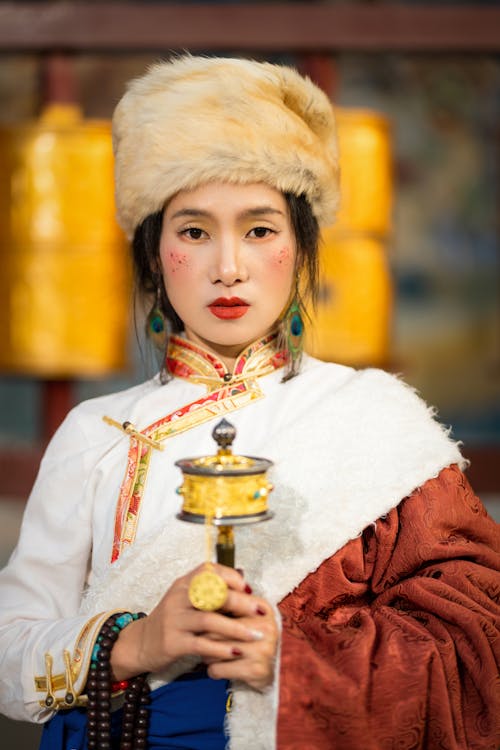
x=228, y=308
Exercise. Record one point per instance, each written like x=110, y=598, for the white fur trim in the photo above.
x=244, y=731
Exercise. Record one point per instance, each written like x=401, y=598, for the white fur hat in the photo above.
x=196, y=120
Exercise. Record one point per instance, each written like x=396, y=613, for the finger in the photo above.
x=258, y=674
x=253, y=635
x=218, y=626
x=211, y=651
x=209, y=589
x=245, y=605
x=234, y=579
x=231, y=576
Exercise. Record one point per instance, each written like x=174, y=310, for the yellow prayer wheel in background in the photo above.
x=65, y=271
x=351, y=323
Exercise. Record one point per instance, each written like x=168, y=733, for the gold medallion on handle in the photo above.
x=207, y=591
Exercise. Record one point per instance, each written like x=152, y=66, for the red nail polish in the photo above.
x=248, y=589
x=260, y=611
x=236, y=652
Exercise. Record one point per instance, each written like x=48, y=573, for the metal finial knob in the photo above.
x=224, y=434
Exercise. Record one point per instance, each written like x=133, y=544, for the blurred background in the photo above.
x=410, y=273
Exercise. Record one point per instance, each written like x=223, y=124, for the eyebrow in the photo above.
x=260, y=210
x=249, y=213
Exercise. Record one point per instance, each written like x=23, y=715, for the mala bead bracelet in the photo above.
x=99, y=688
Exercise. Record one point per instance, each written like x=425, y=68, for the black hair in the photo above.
x=147, y=267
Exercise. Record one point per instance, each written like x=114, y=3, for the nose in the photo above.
x=229, y=265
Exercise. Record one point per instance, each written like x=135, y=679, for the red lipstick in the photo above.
x=228, y=308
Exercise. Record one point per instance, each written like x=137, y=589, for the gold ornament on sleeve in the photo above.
x=221, y=491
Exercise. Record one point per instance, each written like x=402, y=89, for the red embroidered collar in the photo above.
x=185, y=359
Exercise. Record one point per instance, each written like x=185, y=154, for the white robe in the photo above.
x=327, y=431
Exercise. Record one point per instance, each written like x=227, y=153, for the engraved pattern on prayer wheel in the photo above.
x=224, y=489
x=65, y=281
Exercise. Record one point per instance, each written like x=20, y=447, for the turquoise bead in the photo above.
x=123, y=620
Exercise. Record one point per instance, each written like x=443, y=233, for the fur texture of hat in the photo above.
x=196, y=120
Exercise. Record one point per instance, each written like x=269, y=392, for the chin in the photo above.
x=234, y=339
x=233, y=335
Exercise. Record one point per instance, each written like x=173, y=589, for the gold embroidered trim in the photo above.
x=51, y=684
x=210, y=409
x=70, y=695
x=191, y=362
x=129, y=429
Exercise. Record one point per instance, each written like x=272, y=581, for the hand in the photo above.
x=175, y=629
x=251, y=661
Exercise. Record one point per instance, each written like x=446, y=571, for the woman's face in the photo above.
x=228, y=259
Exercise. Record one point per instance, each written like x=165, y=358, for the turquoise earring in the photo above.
x=293, y=338
x=156, y=328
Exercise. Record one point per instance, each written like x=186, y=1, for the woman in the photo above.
x=365, y=615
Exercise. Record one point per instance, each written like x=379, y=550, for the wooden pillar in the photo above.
x=321, y=69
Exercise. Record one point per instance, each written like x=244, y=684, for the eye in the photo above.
x=260, y=232
x=193, y=233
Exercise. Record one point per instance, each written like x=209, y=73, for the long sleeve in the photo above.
x=40, y=589
x=393, y=642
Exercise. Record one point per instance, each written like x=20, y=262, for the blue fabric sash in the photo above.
x=187, y=714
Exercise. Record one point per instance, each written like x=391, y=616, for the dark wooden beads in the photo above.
x=135, y=714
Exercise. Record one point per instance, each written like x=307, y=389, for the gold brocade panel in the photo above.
x=65, y=281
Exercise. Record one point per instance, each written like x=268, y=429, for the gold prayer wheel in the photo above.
x=224, y=489
x=351, y=323
x=65, y=281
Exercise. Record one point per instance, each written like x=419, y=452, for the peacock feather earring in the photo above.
x=293, y=337
x=156, y=327
x=157, y=330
